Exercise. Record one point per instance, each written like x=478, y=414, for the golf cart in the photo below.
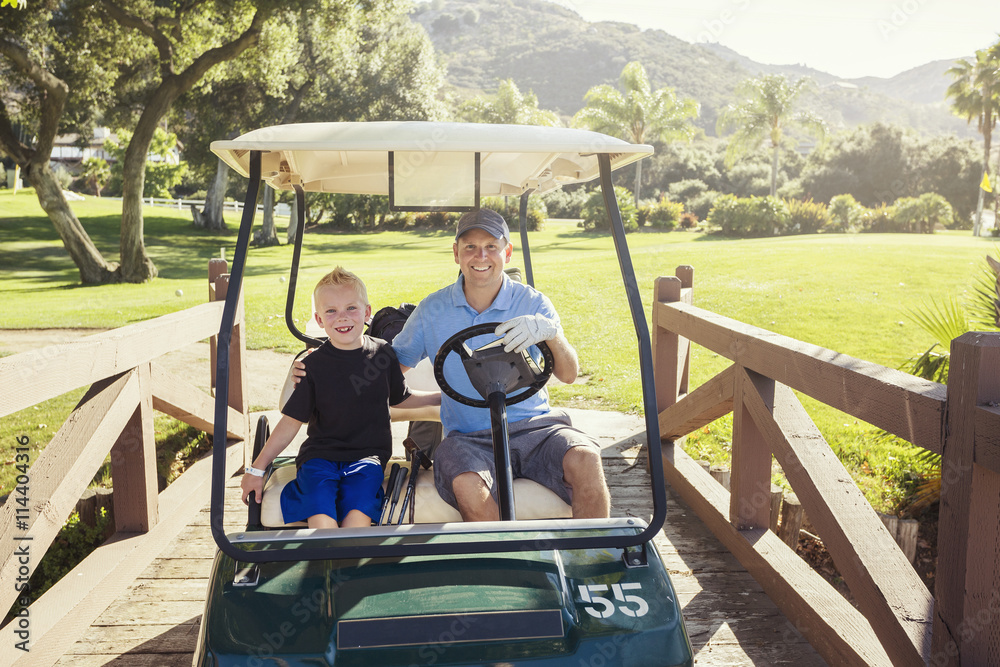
x=518, y=591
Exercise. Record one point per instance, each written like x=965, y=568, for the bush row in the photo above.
x=371, y=212
x=732, y=216
x=771, y=216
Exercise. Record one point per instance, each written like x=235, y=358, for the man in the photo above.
x=544, y=445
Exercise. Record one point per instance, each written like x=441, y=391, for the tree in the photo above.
x=164, y=171
x=36, y=72
x=975, y=94
x=509, y=105
x=320, y=63
x=179, y=43
x=639, y=115
x=766, y=110
x=871, y=162
x=880, y=163
x=96, y=173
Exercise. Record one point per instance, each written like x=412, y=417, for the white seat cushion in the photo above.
x=531, y=501
x=270, y=508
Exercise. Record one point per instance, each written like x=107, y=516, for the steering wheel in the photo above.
x=491, y=369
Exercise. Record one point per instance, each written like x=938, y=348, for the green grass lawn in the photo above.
x=848, y=293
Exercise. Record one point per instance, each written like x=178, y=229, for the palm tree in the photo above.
x=975, y=94
x=640, y=115
x=946, y=321
x=509, y=106
x=766, y=110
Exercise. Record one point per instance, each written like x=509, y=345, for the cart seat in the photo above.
x=531, y=501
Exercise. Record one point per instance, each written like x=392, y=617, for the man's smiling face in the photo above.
x=481, y=256
x=342, y=313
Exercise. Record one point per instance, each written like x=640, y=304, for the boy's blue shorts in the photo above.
x=333, y=488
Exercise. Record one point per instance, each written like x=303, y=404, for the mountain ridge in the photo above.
x=552, y=51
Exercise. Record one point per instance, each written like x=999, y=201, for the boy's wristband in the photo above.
x=256, y=472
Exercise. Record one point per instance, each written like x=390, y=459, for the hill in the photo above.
x=552, y=51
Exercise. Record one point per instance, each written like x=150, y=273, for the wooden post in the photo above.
x=891, y=523
x=671, y=353
x=906, y=537
x=722, y=475
x=86, y=507
x=967, y=601
x=750, y=502
x=133, y=465
x=791, y=521
x=216, y=268
x=776, y=494
x=237, y=355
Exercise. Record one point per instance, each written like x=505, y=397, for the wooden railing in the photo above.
x=114, y=417
x=897, y=621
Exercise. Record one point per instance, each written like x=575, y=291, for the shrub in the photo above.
x=702, y=204
x=921, y=214
x=510, y=209
x=62, y=176
x=689, y=220
x=845, y=214
x=564, y=203
x=435, y=220
x=753, y=216
x=664, y=214
x=806, y=217
x=724, y=214
x=687, y=189
x=878, y=220
x=595, y=215
x=398, y=220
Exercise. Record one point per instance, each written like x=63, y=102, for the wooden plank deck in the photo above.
x=729, y=618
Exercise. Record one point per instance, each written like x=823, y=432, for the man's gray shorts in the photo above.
x=537, y=447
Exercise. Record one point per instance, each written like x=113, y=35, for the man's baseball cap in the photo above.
x=485, y=219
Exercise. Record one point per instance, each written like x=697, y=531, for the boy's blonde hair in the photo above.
x=342, y=277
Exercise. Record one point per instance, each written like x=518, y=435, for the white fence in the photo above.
x=280, y=209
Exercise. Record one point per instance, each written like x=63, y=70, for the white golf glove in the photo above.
x=522, y=332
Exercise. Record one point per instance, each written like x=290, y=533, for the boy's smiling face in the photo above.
x=342, y=313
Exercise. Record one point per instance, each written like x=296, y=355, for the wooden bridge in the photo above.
x=747, y=598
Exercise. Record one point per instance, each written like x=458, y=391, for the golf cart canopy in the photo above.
x=354, y=158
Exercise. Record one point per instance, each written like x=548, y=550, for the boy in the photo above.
x=351, y=382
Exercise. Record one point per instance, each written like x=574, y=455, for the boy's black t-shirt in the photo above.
x=345, y=398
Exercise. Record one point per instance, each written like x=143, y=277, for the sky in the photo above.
x=847, y=38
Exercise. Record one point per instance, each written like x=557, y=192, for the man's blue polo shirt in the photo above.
x=446, y=312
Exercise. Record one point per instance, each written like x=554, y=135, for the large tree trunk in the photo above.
x=774, y=171
x=638, y=181
x=994, y=183
x=977, y=223
x=136, y=266
x=215, y=197
x=94, y=269
x=268, y=235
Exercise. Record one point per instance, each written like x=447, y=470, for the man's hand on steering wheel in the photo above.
x=520, y=333
x=489, y=368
